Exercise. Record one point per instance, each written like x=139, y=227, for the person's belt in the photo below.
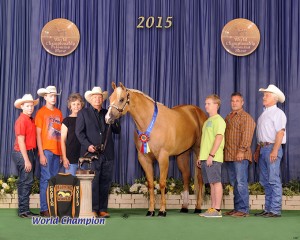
x=264, y=144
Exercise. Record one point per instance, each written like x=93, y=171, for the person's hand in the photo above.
x=273, y=155
x=256, y=154
x=240, y=156
x=66, y=163
x=198, y=163
x=28, y=166
x=209, y=161
x=43, y=160
x=91, y=148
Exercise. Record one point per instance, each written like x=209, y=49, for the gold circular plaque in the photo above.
x=60, y=37
x=240, y=37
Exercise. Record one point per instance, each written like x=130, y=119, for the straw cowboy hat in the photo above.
x=48, y=90
x=26, y=98
x=96, y=90
x=273, y=89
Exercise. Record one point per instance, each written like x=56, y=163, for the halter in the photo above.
x=120, y=110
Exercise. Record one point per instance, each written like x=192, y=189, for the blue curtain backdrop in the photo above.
x=179, y=65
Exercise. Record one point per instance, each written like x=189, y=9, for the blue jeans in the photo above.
x=25, y=181
x=72, y=169
x=48, y=171
x=238, y=177
x=101, y=183
x=269, y=178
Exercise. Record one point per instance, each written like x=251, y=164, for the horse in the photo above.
x=175, y=132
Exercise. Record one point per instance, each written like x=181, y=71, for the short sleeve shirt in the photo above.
x=49, y=121
x=271, y=121
x=212, y=127
x=24, y=126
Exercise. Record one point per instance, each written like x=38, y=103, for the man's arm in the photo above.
x=21, y=142
x=80, y=131
x=43, y=159
x=277, y=144
x=247, y=128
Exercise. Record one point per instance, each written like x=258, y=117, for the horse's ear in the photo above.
x=113, y=85
x=122, y=86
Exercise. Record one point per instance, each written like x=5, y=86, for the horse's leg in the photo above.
x=163, y=162
x=147, y=165
x=183, y=163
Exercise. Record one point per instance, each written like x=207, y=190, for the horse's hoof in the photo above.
x=184, y=210
x=197, y=210
x=150, y=214
x=162, y=214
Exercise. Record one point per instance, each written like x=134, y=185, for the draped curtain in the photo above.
x=179, y=65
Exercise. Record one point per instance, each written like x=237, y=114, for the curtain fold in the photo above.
x=179, y=65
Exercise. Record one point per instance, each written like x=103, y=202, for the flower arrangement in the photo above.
x=8, y=186
x=140, y=186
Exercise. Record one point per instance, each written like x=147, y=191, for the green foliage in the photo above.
x=256, y=189
x=140, y=186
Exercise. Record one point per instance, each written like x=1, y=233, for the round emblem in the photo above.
x=60, y=37
x=240, y=37
x=144, y=138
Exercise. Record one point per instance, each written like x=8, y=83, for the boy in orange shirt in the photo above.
x=48, y=124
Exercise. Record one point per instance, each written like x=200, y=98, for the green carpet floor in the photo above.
x=175, y=226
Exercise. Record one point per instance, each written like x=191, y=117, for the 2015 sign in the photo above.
x=150, y=22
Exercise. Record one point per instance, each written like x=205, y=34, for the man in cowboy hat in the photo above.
x=48, y=125
x=271, y=134
x=92, y=132
x=23, y=153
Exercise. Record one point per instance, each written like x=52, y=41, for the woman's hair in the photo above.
x=74, y=97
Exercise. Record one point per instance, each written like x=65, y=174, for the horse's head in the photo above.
x=118, y=103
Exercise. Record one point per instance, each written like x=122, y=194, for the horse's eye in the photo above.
x=121, y=100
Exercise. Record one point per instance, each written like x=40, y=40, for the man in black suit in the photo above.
x=91, y=131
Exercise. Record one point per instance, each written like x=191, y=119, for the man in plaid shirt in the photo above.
x=238, y=138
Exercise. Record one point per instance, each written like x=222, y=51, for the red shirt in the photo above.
x=25, y=126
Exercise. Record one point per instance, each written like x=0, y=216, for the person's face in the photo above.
x=50, y=98
x=27, y=108
x=210, y=106
x=268, y=99
x=96, y=100
x=237, y=103
x=75, y=106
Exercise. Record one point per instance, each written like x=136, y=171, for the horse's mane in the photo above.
x=145, y=95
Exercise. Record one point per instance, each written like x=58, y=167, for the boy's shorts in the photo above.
x=211, y=174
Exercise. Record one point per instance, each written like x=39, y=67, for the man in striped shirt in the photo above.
x=238, y=138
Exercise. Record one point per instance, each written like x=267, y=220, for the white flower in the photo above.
x=155, y=191
x=2, y=191
x=173, y=184
x=116, y=190
x=4, y=185
x=143, y=189
x=134, y=188
x=157, y=186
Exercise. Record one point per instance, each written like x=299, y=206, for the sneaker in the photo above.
x=211, y=213
x=261, y=214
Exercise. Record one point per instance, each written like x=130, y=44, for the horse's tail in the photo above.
x=201, y=118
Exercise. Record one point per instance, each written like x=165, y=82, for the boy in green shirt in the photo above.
x=211, y=154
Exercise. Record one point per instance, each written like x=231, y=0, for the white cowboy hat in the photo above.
x=95, y=90
x=24, y=99
x=48, y=90
x=273, y=89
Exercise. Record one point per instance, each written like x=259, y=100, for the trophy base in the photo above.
x=82, y=171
